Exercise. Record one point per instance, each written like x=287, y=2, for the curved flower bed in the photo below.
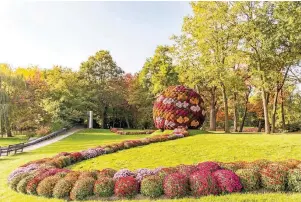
x=48, y=178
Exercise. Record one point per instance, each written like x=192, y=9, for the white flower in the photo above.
x=195, y=108
x=179, y=104
x=185, y=104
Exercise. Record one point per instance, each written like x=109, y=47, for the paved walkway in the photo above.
x=50, y=141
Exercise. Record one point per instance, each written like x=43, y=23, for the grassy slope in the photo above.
x=12, y=140
x=189, y=150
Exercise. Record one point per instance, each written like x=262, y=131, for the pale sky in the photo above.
x=67, y=33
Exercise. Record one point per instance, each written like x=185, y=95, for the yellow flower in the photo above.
x=180, y=119
x=194, y=123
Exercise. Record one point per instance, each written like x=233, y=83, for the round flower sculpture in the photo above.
x=178, y=106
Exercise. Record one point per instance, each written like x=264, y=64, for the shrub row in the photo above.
x=120, y=131
x=206, y=178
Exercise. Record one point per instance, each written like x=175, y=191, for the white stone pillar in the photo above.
x=90, y=119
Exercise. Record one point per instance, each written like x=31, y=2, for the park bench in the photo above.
x=16, y=148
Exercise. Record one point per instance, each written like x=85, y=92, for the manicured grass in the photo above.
x=12, y=140
x=222, y=147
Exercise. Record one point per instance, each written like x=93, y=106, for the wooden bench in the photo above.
x=16, y=148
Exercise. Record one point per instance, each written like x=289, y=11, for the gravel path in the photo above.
x=50, y=141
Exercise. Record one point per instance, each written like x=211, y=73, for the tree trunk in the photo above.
x=282, y=110
x=213, y=109
x=246, y=110
x=235, y=124
x=127, y=122
x=266, y=112
x=274, y=111
x=259, y=125
x=227, y=129
x=104, y=117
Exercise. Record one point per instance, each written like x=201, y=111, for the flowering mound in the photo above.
x=294, y=180
x=186, y=170
x=104, y=187
x=178, y=106
x=274, y=177
x=126, y=187
x=152, y=186
x=175, y=185
x=82, y=188
x=227, y=181
x=208, y=166
x=202, y=183
x=249, y=178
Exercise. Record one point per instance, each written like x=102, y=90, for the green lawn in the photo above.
x=202, y=147
x=12, y=140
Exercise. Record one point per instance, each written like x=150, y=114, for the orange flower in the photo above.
x=194, y=101
x=186, y=119
x=180, y=119
x=194, y=123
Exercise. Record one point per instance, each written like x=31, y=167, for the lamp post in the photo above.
x=90, y=123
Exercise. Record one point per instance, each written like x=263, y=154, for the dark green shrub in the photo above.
x=249, y=178
x=46, y=186
x=21, y=187
x=82, y=188
x=294, y=180
x=152, y=186
x=104, y=187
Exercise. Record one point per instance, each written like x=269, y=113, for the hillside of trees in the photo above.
x=242, y=57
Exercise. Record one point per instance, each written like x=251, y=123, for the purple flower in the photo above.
x=143, y=172
x=100, y=151
x=123, y=173
x=20, y=170
x=90, y=153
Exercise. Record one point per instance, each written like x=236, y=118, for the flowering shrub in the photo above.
x=274, y=177
x=178, y=106
x=227, y=181
x=123, y=173
x=76, y=156
x=152, y=186
x=104, y=187
x=14, y=182
x=63, y=187
x=249, y=178
x=26, y=169
x=90, y=153
x=143, y=172
x=202, y=183
x=21, y=187
x=46, y=186
x=291, y=163
x=208, y=166
x=82, y=188
x=166, y=171
x=126, y=187
x=175, y=185
x=233, y=166
x=107, y=172
x=294, y=180
x=86, y=174
x=186, y=170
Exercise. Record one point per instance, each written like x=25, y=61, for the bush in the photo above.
x=274, y=177
x=294, y=180
x=175, y=185
x=82, y=188
x=104, y=187
x=21, y=187
x=208, y=166
x=152, y=186
x=107, y=172
x=233, y=166
x=87, y=174
x=63, y=187
x=202, y=184
x=66, y=160
x=291, y=163
x=14, y=182
x=126, y=187
x=249, y=178
x=46, y=186
x=123, y=173
x=166, y=171
x=227, y=181
x=76, y=156
x=186, y=170
x=142, y=173
x=43, y=130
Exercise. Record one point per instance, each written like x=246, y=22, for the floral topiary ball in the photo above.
x=178, y=106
